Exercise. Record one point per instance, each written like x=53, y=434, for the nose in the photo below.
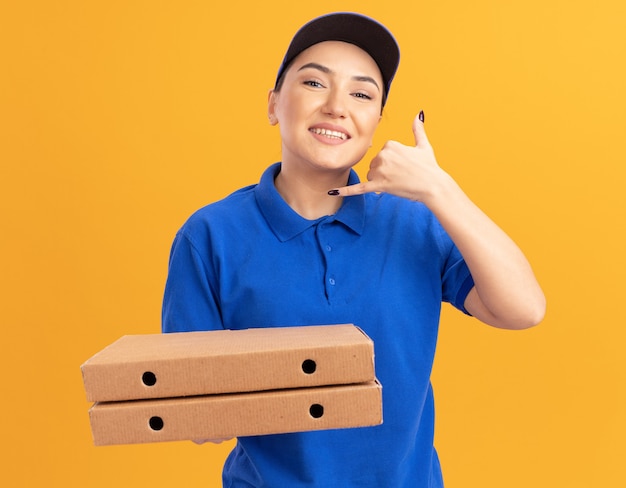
x=334, y=105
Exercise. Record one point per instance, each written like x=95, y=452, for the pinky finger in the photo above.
x=348, y=191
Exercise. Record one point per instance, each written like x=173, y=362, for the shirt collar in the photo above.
x=286, y=223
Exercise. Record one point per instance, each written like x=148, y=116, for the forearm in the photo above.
x=506, y=292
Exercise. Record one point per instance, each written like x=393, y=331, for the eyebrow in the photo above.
x=327, y=70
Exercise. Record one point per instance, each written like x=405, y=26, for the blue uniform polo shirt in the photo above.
x=382, y=263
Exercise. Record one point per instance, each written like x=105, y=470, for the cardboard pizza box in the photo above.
x=227, y=361
x=238, y=414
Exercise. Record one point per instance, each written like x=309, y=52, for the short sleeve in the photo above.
x=457, y=280
x=189, y=301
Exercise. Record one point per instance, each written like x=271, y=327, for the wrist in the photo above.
x=440, y=191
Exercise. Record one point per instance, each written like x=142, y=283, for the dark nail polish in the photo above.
x=333, y=192
x=421, y=116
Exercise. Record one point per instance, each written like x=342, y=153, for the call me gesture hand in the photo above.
x=506, y=293
x=405, y=171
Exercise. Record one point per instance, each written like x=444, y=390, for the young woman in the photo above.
x=310, y=244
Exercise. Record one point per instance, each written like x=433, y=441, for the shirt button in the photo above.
x=332, y=281
x=328, y=248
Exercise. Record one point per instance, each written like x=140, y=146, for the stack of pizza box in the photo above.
x=231, y=383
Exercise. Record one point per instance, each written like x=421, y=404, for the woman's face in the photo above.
x=328, y=106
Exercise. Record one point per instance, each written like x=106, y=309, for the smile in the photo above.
x=333, y=134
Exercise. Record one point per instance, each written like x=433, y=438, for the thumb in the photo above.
x=418, y=130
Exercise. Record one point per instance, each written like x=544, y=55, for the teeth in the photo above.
x=330, y=133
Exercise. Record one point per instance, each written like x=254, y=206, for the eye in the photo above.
x=362, y=95
x=313, y=83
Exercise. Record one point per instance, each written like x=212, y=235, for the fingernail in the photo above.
x=333, y=192
x=421, y=116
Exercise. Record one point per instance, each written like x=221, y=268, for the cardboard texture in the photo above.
x=231, y=383
x=226, y=361
x=230, y=415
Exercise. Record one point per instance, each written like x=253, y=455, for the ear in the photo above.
x=271, y=107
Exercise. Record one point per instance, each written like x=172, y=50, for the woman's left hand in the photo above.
x=406, y=171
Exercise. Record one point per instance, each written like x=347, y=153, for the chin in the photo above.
x=335, y=164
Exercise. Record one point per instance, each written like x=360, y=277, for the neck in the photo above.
x=307, y=194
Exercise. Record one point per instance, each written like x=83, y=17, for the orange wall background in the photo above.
x=120, y=118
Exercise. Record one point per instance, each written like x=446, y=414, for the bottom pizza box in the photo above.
x=236, y=414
